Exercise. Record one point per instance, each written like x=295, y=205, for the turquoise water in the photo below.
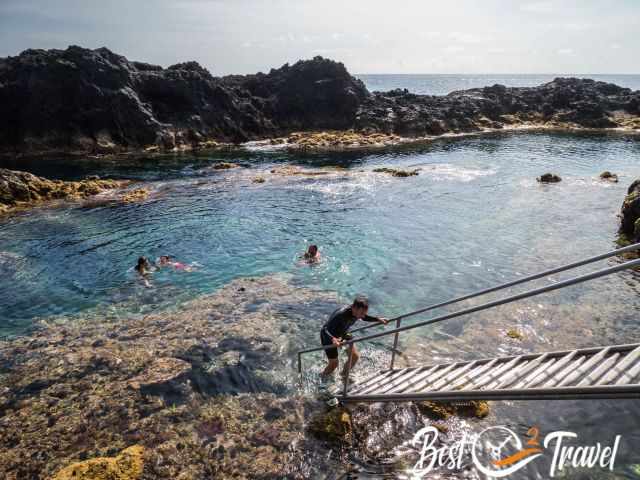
x=474, y=216
x=441, y=84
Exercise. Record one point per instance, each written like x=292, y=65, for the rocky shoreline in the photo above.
x=20, y=190
x=95, y=102
x=203, y=391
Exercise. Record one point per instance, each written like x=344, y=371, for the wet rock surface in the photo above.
x=126, y=466
x=549, y=178
x=206, y=390
x=96, y=101
x=22, y=189
x=630, y=215
x=198, y=388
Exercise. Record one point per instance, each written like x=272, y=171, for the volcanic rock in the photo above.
x=19, y=189
x=549, y=178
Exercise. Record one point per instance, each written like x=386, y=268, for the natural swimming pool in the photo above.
x=473, y=217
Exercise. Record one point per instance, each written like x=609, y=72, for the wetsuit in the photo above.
x=337, y=326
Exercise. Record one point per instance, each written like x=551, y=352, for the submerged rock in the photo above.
x=444, y=410
x=333, y=425
x=549, y=178
x=161, y=373
x=225, y=166
x=608, y=176
x=199, y=387
x=136, y=195
x=397, y=172
x=22, y=189
x=127, y=465
x=515, y=334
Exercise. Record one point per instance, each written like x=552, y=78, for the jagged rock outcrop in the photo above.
x=95, y=101
x=630, y=215
x=564, y=102
x=19, y=189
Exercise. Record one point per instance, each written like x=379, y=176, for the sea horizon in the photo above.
x=444, y=83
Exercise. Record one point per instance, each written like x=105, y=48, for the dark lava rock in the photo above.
x=549, y=178
x=82, y=100
x=95, y=100
x=608, y=176
x=630, y=213
x=564, y=102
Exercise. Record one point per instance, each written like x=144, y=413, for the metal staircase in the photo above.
x=600, y=372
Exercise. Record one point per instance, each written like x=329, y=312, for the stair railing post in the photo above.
x=395, y=344
x=347, y=370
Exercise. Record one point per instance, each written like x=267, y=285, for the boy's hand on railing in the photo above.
x=383, y=320
x=337, y=341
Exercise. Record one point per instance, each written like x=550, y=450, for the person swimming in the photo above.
x=143, y=267
x=167, y=261
x=312, y=255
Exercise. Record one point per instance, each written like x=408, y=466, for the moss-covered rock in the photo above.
x=136, y=195
x=126, y=466
x=515, y=334
x=337, y=140
x=609, y=177
x=23, y=189
x=225, y=166
x=443, y=410
x=549, y=178
x=396, y=172
x=630, y=214
x=333, y=425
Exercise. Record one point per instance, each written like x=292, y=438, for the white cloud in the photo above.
x=538, y=7
x=565, y=51
x=465, y=37
x=454, y=49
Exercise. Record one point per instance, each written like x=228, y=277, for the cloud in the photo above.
x=566, y=51
x=538, y=7
x=463, y=37
x=454, y=49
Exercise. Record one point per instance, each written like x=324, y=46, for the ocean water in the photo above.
x=429, y=84
x=473, y=217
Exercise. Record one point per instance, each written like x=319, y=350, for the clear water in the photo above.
x=430, y=84
x=474, y=217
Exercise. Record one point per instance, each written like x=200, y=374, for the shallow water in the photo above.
x=474, y=217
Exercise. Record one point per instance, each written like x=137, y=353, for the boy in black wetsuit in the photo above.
x=334, y=331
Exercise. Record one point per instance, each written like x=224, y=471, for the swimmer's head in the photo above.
x=142, y=263
x=360, y=306
x=313, y=249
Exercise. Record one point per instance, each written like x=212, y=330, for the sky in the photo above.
x=368, y=36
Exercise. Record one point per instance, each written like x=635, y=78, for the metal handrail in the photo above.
x=535, y=276
x=488, y=305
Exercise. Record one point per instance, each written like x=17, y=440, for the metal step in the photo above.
x=600, y=372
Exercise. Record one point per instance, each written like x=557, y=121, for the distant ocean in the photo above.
x=433, y=84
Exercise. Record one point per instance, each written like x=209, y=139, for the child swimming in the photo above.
x=312, y=255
